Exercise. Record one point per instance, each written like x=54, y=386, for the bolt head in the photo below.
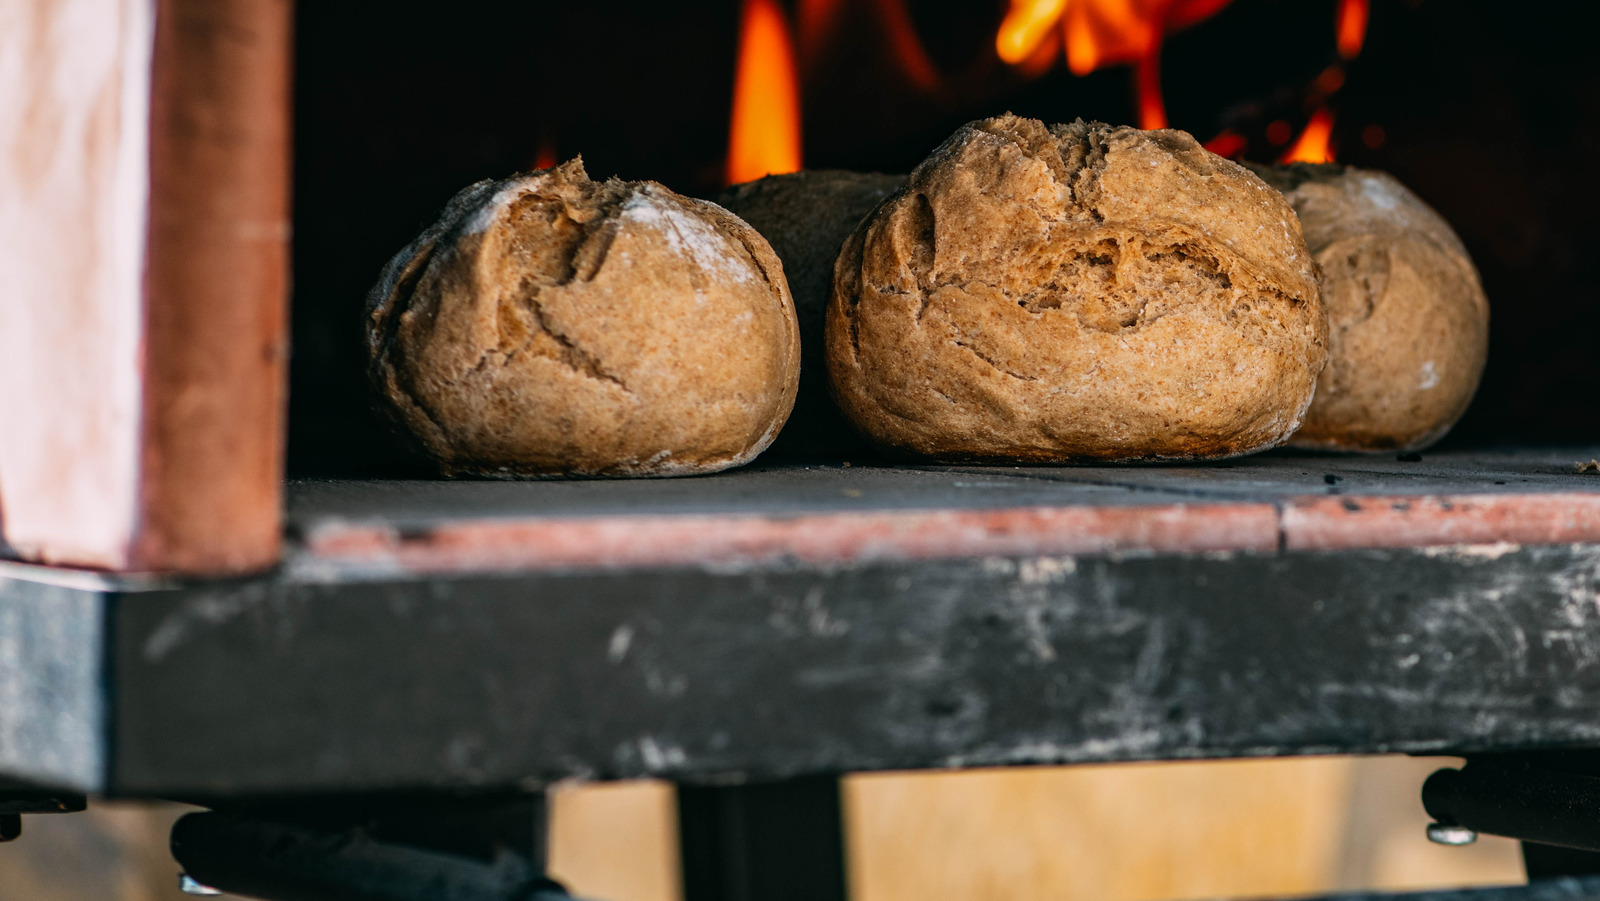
x=189, y=886
x=1440, y=834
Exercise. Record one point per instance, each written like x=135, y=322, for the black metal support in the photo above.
x=392, y=849
x=16, y=800
x=1548, y=800
x=778, y=841
x=1549, y=861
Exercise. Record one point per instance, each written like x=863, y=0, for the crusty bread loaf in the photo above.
x=806, y=216
x=1409, y=322
x=1080, y=292
x=549, y=325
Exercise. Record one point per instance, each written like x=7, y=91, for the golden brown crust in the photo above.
x=1080, y=292
x=549, y=325
x=1409, y=322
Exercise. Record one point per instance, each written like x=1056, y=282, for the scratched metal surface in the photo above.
x=52, y=702
x=718, y=674
x=780, y=489
x=310, y=680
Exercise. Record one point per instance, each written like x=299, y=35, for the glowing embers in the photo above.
x=764, y=137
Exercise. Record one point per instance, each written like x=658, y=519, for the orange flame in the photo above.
x=1147, y=83
x=1316, y=142
x=1328, y=81
x=1351, y=26
x=1229, y=143
x=817, y=21
x=908, y=50
x=1025, y=26
x=1101, y=33
x=764, y=137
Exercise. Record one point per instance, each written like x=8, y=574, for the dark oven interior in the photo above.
x=1489, y=111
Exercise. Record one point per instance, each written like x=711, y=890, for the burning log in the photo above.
x=806, y=216
x=1409, y=322
x=1076, y=293
x=549, y=325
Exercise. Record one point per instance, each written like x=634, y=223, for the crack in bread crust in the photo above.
x=550, y=326
x=1125, y=295
x=1409, y=318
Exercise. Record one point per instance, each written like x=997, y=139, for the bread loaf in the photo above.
x=549, y=325
x=1077, y=292
x=1409, y=322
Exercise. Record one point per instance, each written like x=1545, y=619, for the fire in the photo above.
x=1351, y=27
x=1025, y=27
x=1316, y=142
x=1100, y=33
x=764, y=136
x=1229, y=143
x=1147, y=82
x=545, y=156
x=819, y=22
x=908, y=50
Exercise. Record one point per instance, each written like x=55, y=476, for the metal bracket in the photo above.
x=14, y=802
x=771, y=841
x=438, y=850
x=1548, y=800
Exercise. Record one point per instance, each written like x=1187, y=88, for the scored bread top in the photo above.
x=1076, y=292
x=549, y=325
x=1408, y=317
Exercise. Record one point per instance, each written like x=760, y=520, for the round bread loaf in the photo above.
x=806, y=216
x=1408, y=319
x=1081, y=292
x=549, y=325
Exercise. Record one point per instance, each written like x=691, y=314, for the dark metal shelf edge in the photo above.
x=53, y=690
x=729, y=674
